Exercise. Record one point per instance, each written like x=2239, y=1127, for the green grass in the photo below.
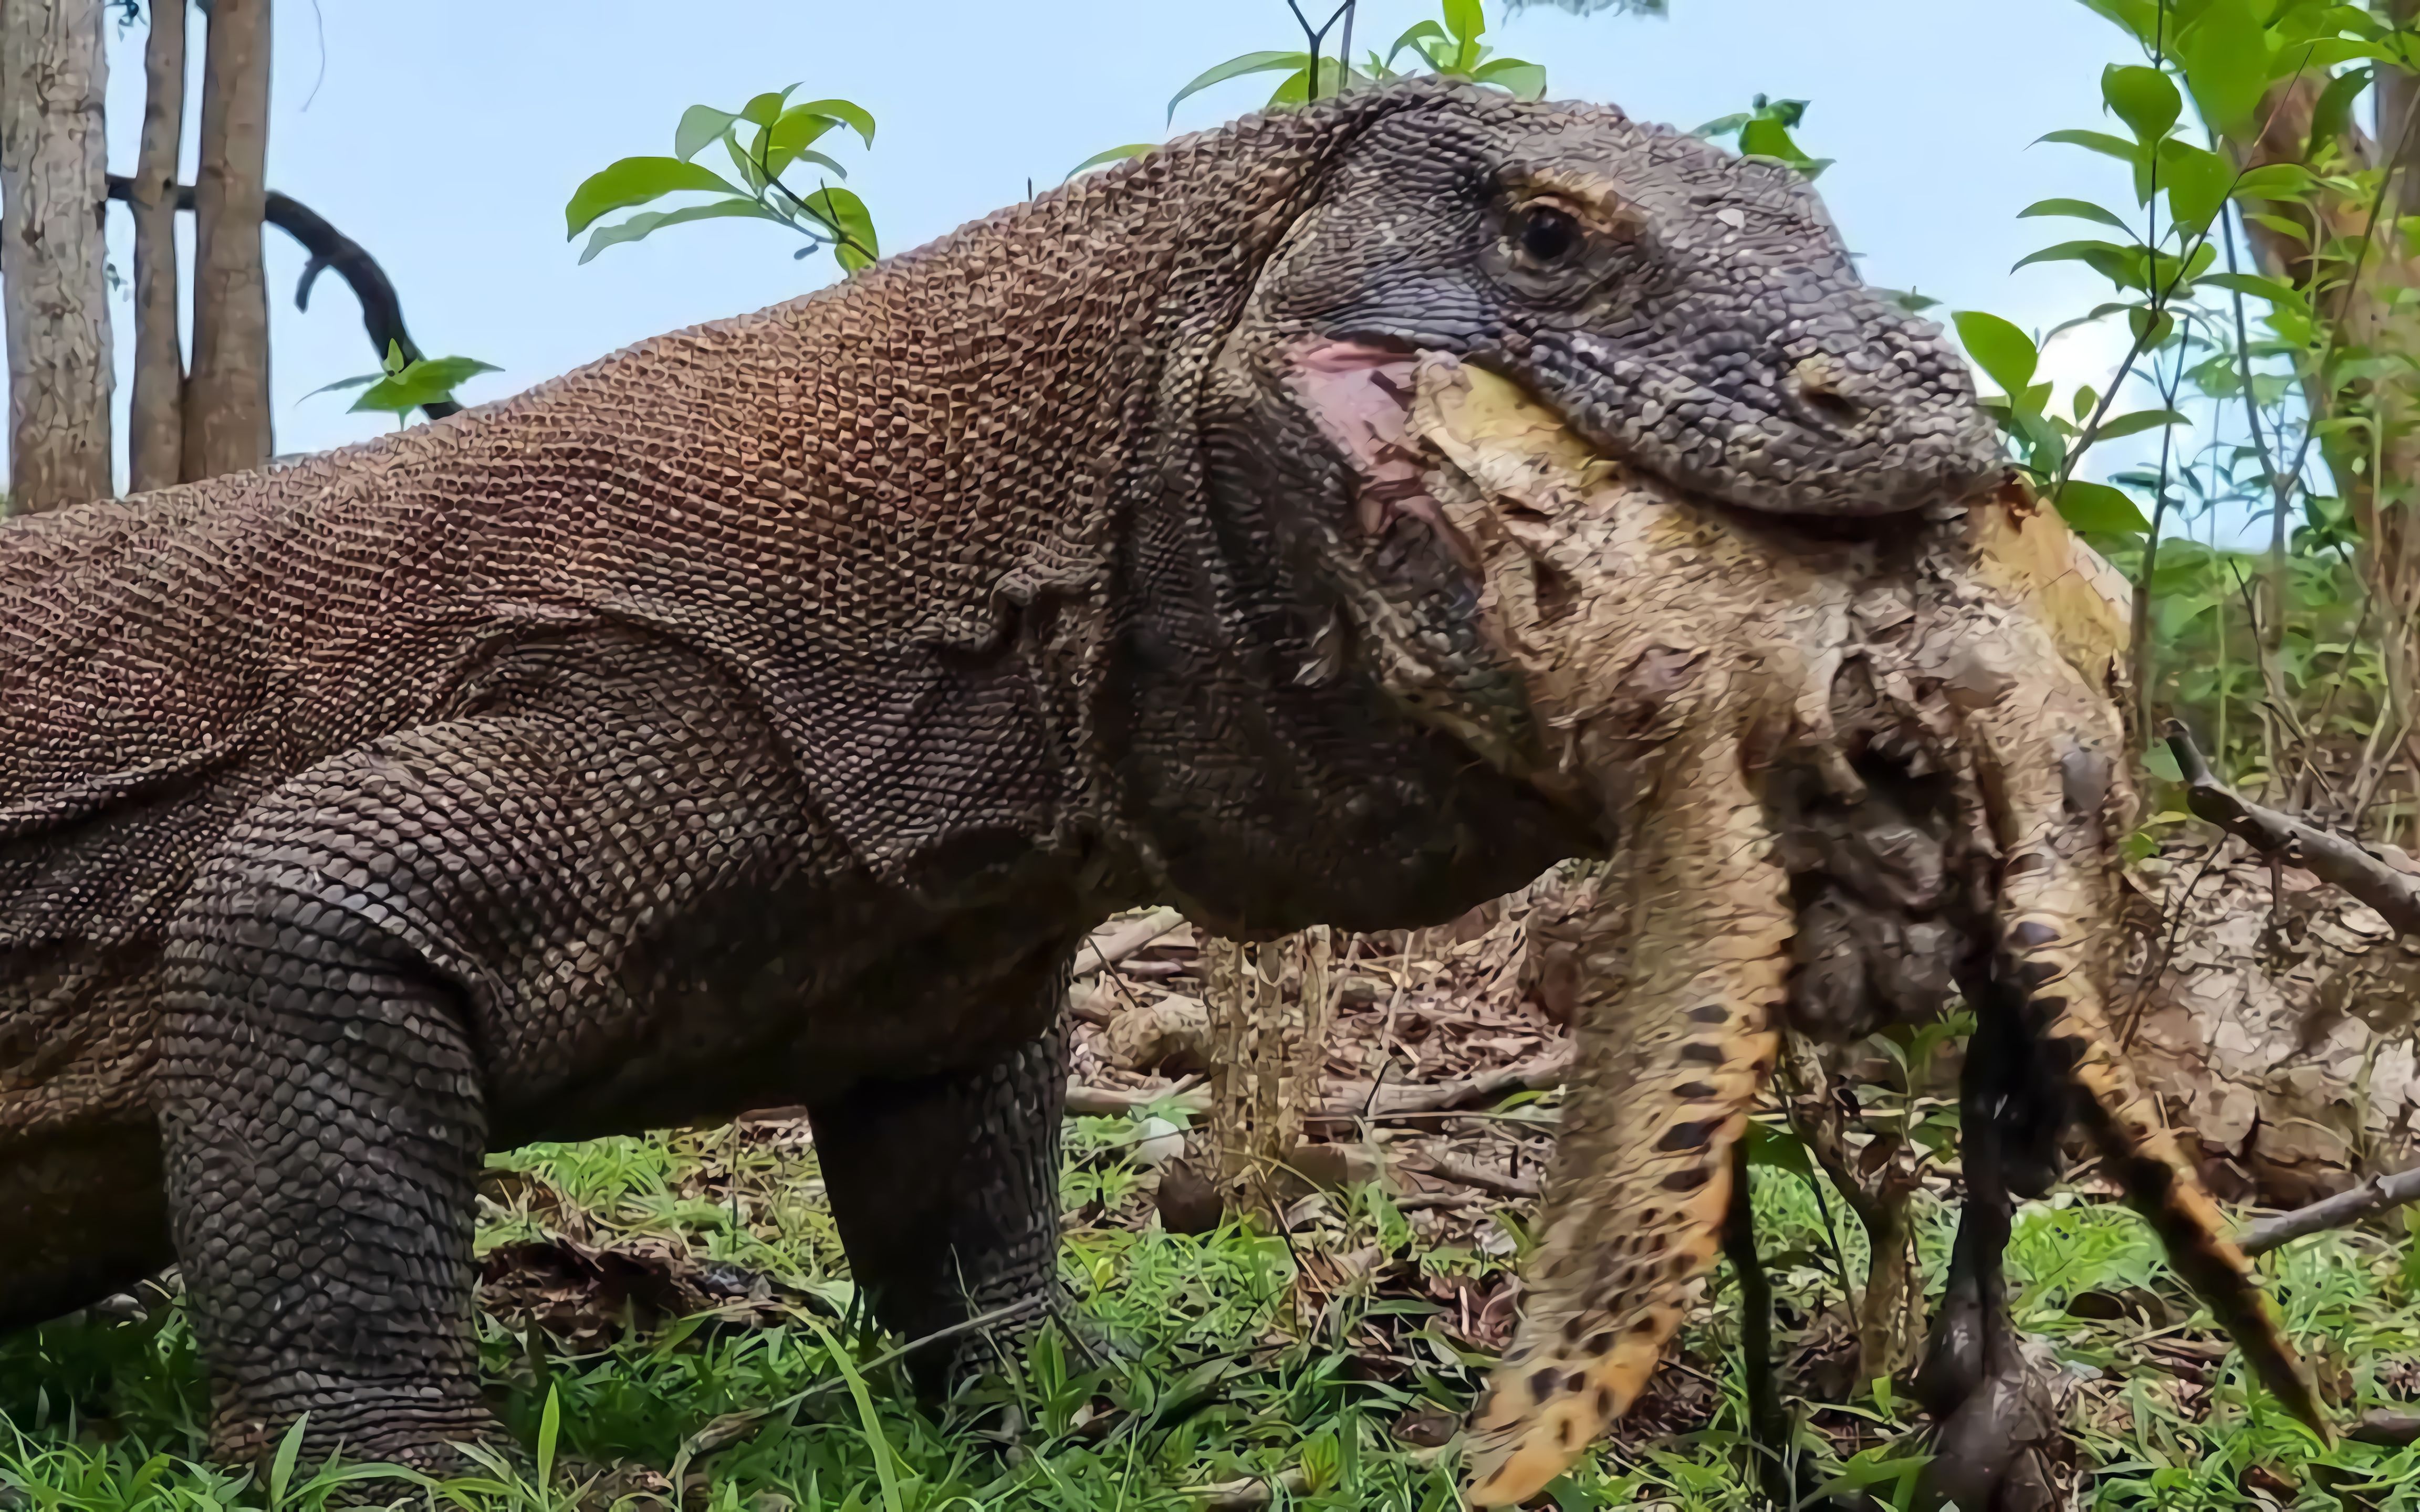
x=1231, y=1363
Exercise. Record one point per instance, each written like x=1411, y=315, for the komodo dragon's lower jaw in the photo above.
x=1680, y=668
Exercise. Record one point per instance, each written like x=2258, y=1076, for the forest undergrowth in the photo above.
x=682, y=1302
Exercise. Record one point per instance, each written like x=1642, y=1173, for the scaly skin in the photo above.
x=762, y=714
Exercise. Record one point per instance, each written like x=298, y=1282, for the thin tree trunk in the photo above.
x=226, y=402
x=155, y=442
x=1270, y=1006
x=53, y=181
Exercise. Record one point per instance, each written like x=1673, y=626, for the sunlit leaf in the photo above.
x=1525, y=80
x=647, y=221
x=1999, y=348
x=2143, y=98
x=701, y=127
x=2096, y=508
x=849, y=113
x=2140, y=421
x=1465, y=19
x=2225, y=57
x=2081, y=209
x=2197, y=181
x=1103, y=159
x=848, y=220
x=635, y=181
x=1236, y=68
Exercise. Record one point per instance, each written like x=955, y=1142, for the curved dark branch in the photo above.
x=382, y=308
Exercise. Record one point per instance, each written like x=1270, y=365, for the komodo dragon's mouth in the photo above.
x=1681, y=663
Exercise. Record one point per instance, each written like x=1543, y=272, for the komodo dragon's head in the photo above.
x=1693, y=313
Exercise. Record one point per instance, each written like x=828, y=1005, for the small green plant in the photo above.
x=399, y=387
x=765, y=139
x=1762, y=130
x=1450, y=49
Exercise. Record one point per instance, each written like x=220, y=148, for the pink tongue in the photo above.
x=1363, y=398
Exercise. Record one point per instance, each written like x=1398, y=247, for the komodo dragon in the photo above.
x=766, y=712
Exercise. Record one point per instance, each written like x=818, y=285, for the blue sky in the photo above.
x=446, y=135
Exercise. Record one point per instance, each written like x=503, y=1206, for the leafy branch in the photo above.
x=779, y=137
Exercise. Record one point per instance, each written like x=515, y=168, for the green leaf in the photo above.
x=1235, y=68
x=1465, y=19
x=550, y=1427
x=2141, y=420
x=766, y=108
x=2101, y=255
x=1414, y=35
x=1999, y=348
x=2096, y=508
x=739, y=206
x=701, y=127
x=2100, y=142
x=345, y=384
x=2273, y=182
x=1525, y=80
x=422, y=385
x=849, y=113
x=2257, y=285
x=281, y=1469
x=2143, y=98
x=2197, y=181
x=2332, y=115
x=635, y=181
x=1103, y=159
x=2225, y=57
x=1779, y=1150
x=845, y=217
x=2080, y=209
x=795, y=131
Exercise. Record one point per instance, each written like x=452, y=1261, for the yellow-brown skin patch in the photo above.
x=1670, y=653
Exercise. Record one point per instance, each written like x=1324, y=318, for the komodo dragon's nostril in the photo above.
x=1825, y=385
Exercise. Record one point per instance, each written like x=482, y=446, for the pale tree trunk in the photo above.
x=227, y=402
x=53, y=180
x=155, y=441
x=1270, y=1006
x=2377, y=472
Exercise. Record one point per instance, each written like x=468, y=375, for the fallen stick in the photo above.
x=1113, y=943
x=2392, y=1430
x=1113, y=1101
x=2376, y=1194
x=1547, y=1071
x=1255, y=1491
x=2395, y=894
x=1446, y=1167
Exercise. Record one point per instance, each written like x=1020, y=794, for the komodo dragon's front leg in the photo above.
x=545, y=924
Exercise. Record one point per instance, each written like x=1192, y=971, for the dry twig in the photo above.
x=2394, y=893
x=2376, y=1194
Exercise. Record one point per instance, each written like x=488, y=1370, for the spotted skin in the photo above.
x=1676, y=1035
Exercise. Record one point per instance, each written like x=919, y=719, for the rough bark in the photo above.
x=227, y=402
x=1269, y=1012
x=53, y=166
x=155, y=441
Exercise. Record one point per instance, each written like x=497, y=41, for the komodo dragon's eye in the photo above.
x=1546, y=234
